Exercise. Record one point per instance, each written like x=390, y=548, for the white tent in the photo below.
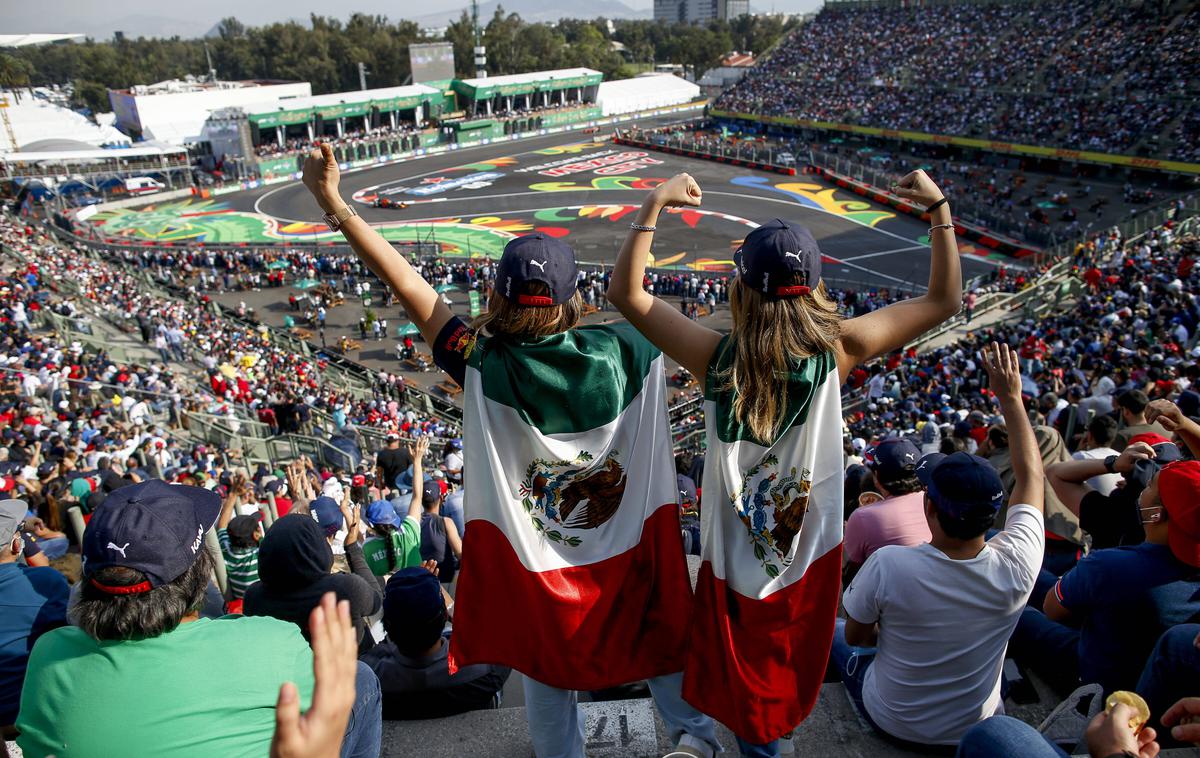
x=35, y=119
x=643, y=93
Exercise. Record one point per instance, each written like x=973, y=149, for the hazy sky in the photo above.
x=188, y=19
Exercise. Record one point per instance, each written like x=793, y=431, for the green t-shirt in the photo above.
x=206, y=689
x=406, y=538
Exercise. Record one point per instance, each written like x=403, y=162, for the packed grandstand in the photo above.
x=959, y=517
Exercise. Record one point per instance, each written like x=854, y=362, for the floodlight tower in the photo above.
x=480, y=50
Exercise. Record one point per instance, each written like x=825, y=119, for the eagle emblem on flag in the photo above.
x=578, y=494
x=771, y=504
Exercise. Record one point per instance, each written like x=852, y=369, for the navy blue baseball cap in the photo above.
x=541, y=258
x=962, y=485
x=779, y=259
x=412, y=596
x=152, y=527
x=327, y=514
x=893, y=459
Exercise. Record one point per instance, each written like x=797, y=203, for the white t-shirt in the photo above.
x=944, y=625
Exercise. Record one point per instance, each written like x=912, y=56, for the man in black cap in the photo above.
x=412, y=663
x=33, y=600
x=202, y=686
x=941, y=613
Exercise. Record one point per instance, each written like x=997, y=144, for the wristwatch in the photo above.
x=1110, y=464
x=335, y=220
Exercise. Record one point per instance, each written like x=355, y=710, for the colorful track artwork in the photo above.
x=213, y=222
x=819, y=198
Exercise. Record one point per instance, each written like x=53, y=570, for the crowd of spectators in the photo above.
x=1106, y=77
x=1109, y=388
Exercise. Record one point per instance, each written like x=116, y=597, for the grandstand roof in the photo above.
x=297, y=110
x=524, y=84
x=21, y=40
x=87, y=154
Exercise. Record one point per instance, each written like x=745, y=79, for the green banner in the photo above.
x=272, y=119
x=473, y=296
x=278, y=166
x=344, y=110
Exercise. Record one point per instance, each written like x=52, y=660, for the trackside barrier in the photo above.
x=977, y=234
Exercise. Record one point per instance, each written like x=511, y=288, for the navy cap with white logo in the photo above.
x=152, y=527
x=537, y=257
x=779, y=259
x=893, y=459
x=963, y=485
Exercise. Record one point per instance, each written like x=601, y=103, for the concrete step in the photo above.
x=624, y=729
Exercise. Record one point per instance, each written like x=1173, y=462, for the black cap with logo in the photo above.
x=537, y=257
x=779, y=259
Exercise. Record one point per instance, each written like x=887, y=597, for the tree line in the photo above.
x=326, y=53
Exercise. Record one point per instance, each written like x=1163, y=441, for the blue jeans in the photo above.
x=852, y=663
x=1171, y=673
x=1048, y=647
x=750, y=750
x=556, y=729
x=1004, y=736
x=54, y=548
x=364, y=732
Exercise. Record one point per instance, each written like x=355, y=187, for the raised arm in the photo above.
x=1068, y=479
x=1168, y=415
x=424, y=307
x=685, y=341
x=1004, y=375
x=417, y=451
x=898, y=324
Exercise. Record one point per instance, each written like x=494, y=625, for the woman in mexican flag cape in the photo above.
x=771, y=518
x=573, y=570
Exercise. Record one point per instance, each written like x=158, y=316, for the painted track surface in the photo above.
x=582, y=188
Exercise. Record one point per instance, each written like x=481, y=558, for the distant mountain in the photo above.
x=538, y=11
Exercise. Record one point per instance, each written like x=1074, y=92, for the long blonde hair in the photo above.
x=768, y=336
x=507, y=318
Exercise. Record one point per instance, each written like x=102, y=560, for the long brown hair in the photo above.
x=767, y=337
x=509, y=319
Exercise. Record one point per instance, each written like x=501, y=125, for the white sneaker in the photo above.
x=691, y=747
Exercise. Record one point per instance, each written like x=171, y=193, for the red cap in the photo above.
x=1179, y=490
x=358, y=480
x=1150, y=438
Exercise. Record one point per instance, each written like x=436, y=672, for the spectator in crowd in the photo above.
x=1108, y=734
x=440, y=540
x=928, y=689
x=396, y=547
x=391, y=462
x=238, y=537
x=1101, y=432
x=898, y=519
x=412, y=663
x=295, y=561
x=205, y=686
x=1170, y=677
x=33, y=600
x=793, y=314
x=1133, y=404
x=1113, y=519
x=1121, y=598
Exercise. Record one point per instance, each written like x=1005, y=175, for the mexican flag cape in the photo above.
x=771, y=530
x=573, y=570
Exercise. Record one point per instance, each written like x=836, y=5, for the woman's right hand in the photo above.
x=321, y=175
x=919, y=188
x=679, y=190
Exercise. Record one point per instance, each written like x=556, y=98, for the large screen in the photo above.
x=431, y=62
